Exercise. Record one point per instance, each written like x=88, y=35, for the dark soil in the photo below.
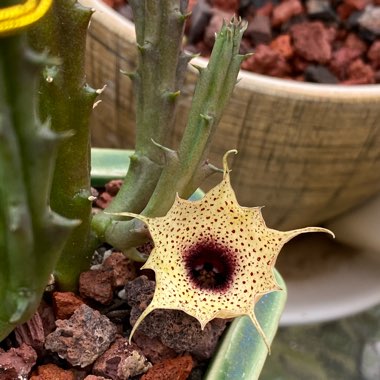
x=322, y=41
x=85, y=336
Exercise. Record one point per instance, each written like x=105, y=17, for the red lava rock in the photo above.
x=153, y=348
x=282, y=44
x=174, y=328
x=374, y=54
x=344, y=11
x=31, y=333
x=377, y=76
x=332, y=34
x=359, y=73
x=52, y=372
x=96, y=285
x=226, y=5
x=121, y=361
x=311, y=41
x=285, y=11
x=171, y=369
x=46, y=313
x=214, y=26
x=121, y=268
x=341, y=59
x=82, y=338
x=259, y=30
x=103, y=200
x=113, y=187
x=355, y=43
x=346, y=29
x=357, y=5
x=299, y=64
x=17, y=363
x=267, y=61
x=265, y=10
x=65, y=304
x=94, y=377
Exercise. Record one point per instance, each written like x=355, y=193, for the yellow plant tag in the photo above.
x=213, y=258
x=16, y=17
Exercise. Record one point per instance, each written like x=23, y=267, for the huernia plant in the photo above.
x=212, y=258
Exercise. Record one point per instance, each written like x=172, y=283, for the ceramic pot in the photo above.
x=241, y=353
x=308, y=152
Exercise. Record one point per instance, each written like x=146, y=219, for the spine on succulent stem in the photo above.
x=31, y=235
x=157, y=81
x=67, y=101
x=185, y=169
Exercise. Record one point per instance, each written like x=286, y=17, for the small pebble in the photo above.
x=121, y=268
x=311, y=41
x=321, y=10
x=17, y=362
x=97, y=285
x=121, y=361
x=65, y=304
x=31, y=333
x=171, y=369
x=370, y=21
x=320, y=74
x=285, y=11
x=82, y=338
x=259, y=30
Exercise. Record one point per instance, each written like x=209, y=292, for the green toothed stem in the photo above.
x=184, y=168
x=213, y=90
x=157, y=80
x=31, y=235
x=67, y=101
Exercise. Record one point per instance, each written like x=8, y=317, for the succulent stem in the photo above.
x=32, y=236
x=67, y=101
x=160, y=73
x=181, y=174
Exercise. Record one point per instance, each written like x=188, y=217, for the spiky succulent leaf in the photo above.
x=31, y=235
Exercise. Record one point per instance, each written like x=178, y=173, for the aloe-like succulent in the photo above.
x=31, y=234
x=213, y=258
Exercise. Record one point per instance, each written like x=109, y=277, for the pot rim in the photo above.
x=248, y=80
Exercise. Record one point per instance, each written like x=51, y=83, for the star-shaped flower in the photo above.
x=213, y=258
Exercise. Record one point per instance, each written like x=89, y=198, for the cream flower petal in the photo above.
x=230, y=242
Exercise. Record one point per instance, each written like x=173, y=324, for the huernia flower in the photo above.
x=213, y=258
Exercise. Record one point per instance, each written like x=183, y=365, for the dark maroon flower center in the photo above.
x=210, y=266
